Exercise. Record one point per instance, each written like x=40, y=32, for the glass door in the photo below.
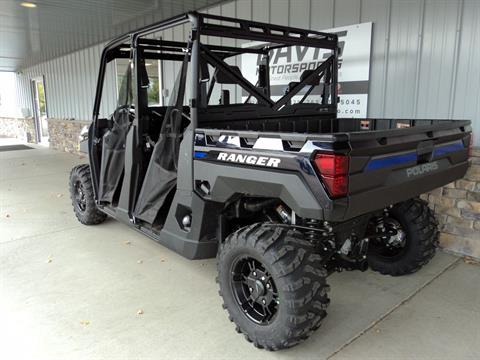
x=40, y=109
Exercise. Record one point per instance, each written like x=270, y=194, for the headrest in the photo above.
x=222, y=77
x=307, y=73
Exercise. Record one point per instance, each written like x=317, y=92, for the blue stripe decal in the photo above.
x=389, y=161
x=445, y=149
x=200, y=154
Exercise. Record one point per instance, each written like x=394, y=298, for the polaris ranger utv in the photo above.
x=270, y=182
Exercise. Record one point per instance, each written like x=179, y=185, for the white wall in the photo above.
x=8, y=99
x=70, y=83
x=424, y=64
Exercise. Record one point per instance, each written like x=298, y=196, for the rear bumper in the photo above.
x=398, y=189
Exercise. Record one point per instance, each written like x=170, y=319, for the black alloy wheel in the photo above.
x=79, y=196
x=393, y=244
x=255, y=290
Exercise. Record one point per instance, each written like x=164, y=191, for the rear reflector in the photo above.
x=333, y=170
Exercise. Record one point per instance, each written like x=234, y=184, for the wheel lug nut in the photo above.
x=254, y=273
x=250, y=289
x=268, y=286
x=263, y=301
x=263, y=277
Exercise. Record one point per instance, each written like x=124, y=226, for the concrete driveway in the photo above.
x=69, y=291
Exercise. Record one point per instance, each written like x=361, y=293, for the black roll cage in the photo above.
x=136, y=46
x=133, y=44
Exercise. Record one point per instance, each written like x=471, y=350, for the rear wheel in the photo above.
x=273, y=285
x=81, y=193
x=412, y=244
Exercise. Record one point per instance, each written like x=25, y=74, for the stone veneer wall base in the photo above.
x=64, y=134
x=20, y=128
x=457, y=208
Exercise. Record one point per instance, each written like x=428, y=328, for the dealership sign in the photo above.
x=288, y=63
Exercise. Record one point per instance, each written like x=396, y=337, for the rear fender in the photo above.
x=220, y=182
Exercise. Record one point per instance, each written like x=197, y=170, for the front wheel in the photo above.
x=81, y=193
x=413, y=243
x=273, y=285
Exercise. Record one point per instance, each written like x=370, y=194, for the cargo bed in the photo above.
x=391, y=160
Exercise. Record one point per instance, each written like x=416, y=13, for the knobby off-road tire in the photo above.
x=421, y=228
x=81, y=193
x=294, y=272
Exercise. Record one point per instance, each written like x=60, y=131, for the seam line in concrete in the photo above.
x=39, y=235
x=384, y=316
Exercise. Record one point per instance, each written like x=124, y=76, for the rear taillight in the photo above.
x=333, y=171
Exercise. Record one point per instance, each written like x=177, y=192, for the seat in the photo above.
x=313, y=82
x=222, y=77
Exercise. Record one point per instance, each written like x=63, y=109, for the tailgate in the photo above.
x=394, y=165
